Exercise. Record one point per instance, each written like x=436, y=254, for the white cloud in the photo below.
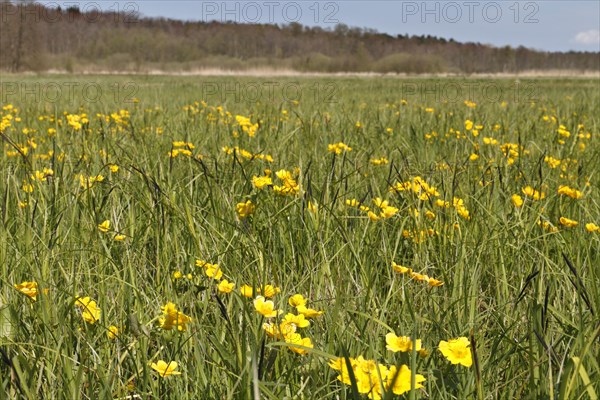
x=590, y=37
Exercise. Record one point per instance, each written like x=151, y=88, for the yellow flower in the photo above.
x=379, y=161
x=90, y=181
x=297, y=300
x=552, y=162
x=173, y=318
x=119, y=237
x=568, y=223
x=247, y=291
x=289, y=187
x=567, y=191
x=547, y=226
x=352, y=202
x=369, y=374
x=562, y=131
x=517, y=200
x=272, y=330
x=442, y=203
x=591, y=227
x=534, y=194
x=308, y=312
x=399, y=380
x=400, y=343
x=165, y=369
x=112, y=332
x=434, y=282
x=260, y=182
x=419, y=277
x=388, y=212
x=104, y=226
x=27, y=187
x=225, y=287
x=213, y=271
x=297, y=320
x=265, y=307
x=401, y=269
x=28, y=288
x=269, y=291
x=457, y=351
x=296, y=339
x=338, y=148
x=245, y=209
x=473, y=157
x=372, y=216
x=89, y=309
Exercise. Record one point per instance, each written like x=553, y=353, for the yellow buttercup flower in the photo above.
x=435, y=282
x=269, y=291
x=248, y=291
x=399, y=380
x=299, y=320
x=112, y=332
x=272, y=330
x=245, y=209
x=296, y=339
x=165, y=369
x=369, y=375
x=591, y=227
x=225, y=286
x=172, y=318
x=90, y=311
x=400, y=343
x=308, y=312
x=29, y=289
x=261, y=182
x=265, y=307
x=401, y=269
x=338, y=148
x=372, y=216
x=213, y=272
x=379, y=161
x=457, y=351
x=533, y=193
x=517, y=200
x=568, y=223
x=297, y=300
x=430, y=215
x=570, y=192
x=104, y=226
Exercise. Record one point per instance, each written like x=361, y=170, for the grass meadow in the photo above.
x=299, y=238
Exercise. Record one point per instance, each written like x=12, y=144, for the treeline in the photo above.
x=37, y=38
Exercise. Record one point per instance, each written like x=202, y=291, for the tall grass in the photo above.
x=527, y=298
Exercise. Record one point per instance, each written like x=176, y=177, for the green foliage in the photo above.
x=526, y=296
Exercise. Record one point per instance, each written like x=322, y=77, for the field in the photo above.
x=299, y=238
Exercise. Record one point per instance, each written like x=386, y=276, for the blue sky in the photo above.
x=545, y=25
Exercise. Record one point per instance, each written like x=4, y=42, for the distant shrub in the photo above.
x=410, y=63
